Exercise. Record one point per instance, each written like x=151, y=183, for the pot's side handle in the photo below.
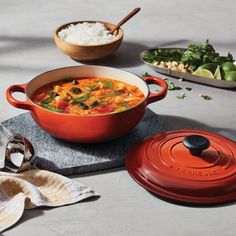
x=153, y=97
x=19, y=104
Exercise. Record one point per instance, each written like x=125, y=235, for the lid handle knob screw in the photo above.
x=196, y=144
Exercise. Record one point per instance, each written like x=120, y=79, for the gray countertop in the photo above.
x=27, y=49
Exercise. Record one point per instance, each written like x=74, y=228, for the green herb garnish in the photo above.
x=91, y=88
x=188, y=88
x=197, y=55
x=80, y=99
x=146, y=74
x=182, y=96
x=112, y=94
x=206, y=97
x=159, y=55
x=50, y=98
x=125, y=104
x=53, y=94
x=51, y=108
x=95, y=104
x=83, y=106
x=75, y=90
x=105, y=102
x=172, y=86
x=109, y=84
x=47, y=100
x=194, y=56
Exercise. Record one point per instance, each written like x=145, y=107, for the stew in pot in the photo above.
x=88, y=96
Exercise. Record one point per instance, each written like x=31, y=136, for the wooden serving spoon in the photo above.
x=131, y=14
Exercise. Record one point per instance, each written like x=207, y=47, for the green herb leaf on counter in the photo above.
x=146, y=74
x=188, y=88
x=182, y=96
x=206, y=97
x=172, y=86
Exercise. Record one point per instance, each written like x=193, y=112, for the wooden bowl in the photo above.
x=88, y=52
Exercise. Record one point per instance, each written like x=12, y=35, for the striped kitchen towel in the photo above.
x=34, y=188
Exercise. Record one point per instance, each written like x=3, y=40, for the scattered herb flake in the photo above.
x=53, y=94
x=112, y=94
x=206, y=97
x=162, y=55
x=146, y=74
x=91, y=88
x=51, y=108
x=125, y=104
x=109, y=84
x=188, y=88
x=80, y=99
x=83, y=106
x=75, y=90
x=95, y=104
x=47, y=100
x=182, y=96
x=172, y=86
x=105, y=102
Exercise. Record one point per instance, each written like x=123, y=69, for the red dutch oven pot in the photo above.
x=91, y=128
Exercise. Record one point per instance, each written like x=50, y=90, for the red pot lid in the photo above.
x=172, y=166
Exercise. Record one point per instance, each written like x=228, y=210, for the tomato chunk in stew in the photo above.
x=88, y=96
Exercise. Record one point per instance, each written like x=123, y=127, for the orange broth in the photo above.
x=88, y=96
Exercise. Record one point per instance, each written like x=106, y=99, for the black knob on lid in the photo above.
x=196, y=144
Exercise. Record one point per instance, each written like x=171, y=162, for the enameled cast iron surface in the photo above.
x=91, y=128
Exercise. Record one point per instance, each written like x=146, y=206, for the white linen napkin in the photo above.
x=34, y=188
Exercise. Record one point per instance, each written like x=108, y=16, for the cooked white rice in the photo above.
x=86, y=33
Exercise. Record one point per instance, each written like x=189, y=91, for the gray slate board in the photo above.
x=70, y=158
